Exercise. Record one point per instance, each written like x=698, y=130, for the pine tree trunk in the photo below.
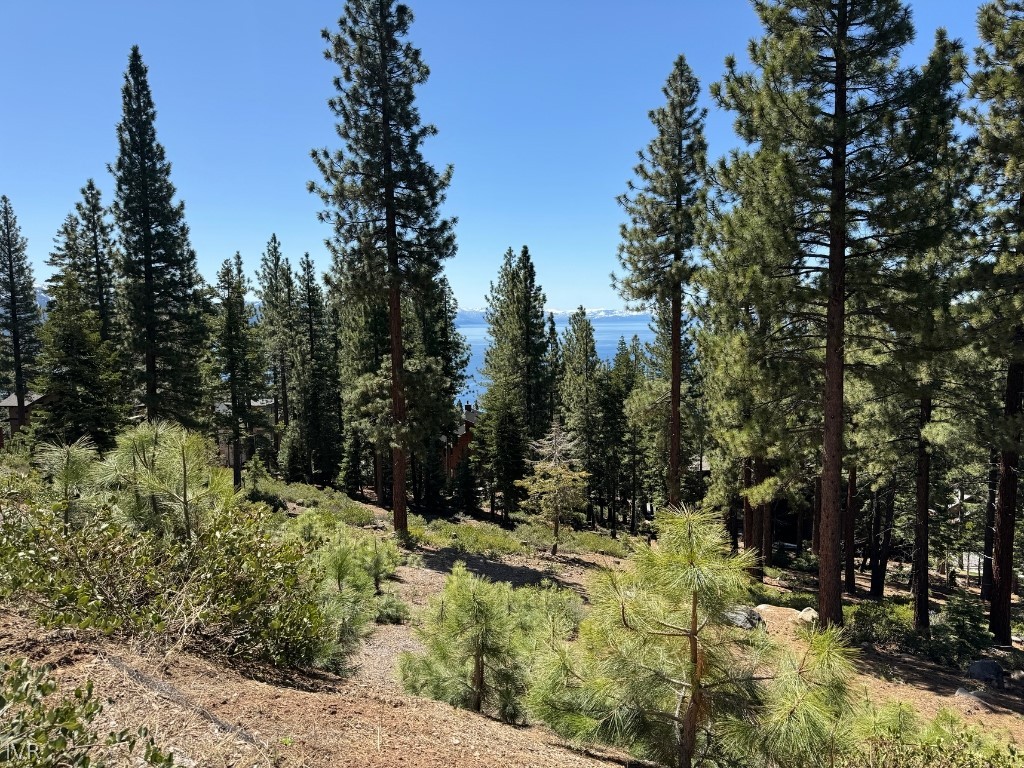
x=816, y=516
x=1006, y=506
x=880, y=563
x=687, y=731
x=398, y=456
x=830, y=604
x=674, y=426
x=850, y=532
x=378, y=476
x=990, y=523
x=920, y=585
x=748, y=509
x=477, y=702
x=767, y=532
x=757, y=525
x=12, y=309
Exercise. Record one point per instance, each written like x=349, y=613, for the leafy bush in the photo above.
x=892, y=737
x=481, y=638
x=882, y=623
x=475, y=538
x=958, y=634
x=391, y=609
x=40, y=731
x=234, y=588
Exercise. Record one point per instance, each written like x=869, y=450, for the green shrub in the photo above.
x=354, y=558
x=391, y=609
x=892, y=737
x=589, y=541
x=883, y=623
x=39, y=730
x=958, y=634
x=481, y=639
x=234, y=589
x=475, y=538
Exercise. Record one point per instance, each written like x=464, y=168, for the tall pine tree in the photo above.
x=663, y=205
x=237, y=352
x=998, y=85
x=829, y=93
x=383, y=197
x=77, y=369
x=275, y=289
x=165, y=303
x=19, y=313
x=516, y=366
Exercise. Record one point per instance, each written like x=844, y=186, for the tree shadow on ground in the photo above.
x=940, y=680
x=442, y=560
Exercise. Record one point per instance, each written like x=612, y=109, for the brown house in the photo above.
x=32, y=401
x=455, y=452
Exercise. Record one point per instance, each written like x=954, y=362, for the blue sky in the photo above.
x=541, y=107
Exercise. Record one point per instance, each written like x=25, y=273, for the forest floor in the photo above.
x=214, y=715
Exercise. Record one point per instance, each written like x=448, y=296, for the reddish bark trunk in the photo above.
x=1006, y=506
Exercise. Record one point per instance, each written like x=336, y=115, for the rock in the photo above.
x=1017, y=675
x=987, y=671
x=973, y=699
x=807, y=616
x=744, y=617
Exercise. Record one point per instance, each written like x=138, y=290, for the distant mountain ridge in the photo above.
x=476, y=316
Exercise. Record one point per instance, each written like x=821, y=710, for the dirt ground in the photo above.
x=212, y=715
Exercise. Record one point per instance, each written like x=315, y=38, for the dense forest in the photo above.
x=836, y=381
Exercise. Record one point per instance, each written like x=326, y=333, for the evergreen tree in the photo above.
x=554, y=488
x=77, y=370
x=516, y=366
x=19, y=313
x=98, y=257
x=383, y=198
x=580, y=397
x=756, y=349
x=829, y=94
x=236, y=350
x=998, y=85
x=663, y=205
x=66, y=255
x=661, y=669
x=165, y=302
x=275, y=289
x=311, y=448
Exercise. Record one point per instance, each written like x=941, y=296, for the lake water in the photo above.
x=608, y=329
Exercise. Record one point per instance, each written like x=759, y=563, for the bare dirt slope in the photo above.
x=214, y=716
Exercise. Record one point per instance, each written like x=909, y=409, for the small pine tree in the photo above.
x=659, y=665
x=480, y=638
x=554, y=489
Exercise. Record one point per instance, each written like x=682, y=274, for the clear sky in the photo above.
x=541, y=107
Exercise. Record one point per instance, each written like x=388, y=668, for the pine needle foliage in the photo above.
x=660, y=670
x=480, y=637
x=555, y=489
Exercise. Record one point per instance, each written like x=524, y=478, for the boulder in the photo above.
x=987, y=671
x=973, y=699
x=807, y=616
x=744, y=617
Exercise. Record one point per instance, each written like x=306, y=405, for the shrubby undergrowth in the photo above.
x=481, y=640
x=40, y=729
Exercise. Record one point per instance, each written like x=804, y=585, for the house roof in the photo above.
x=11, y=401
